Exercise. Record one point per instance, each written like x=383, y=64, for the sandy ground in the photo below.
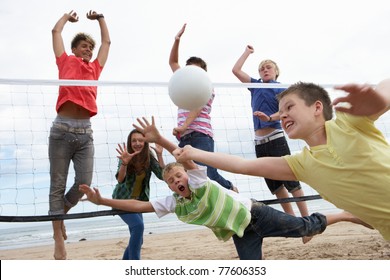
x=342, y=241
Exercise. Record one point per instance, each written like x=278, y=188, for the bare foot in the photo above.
x=306, y=239
x=234, y=189
x=353, y=219
x=59, y=248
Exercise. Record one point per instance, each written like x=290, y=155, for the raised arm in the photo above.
x=125, y=158
x=58, y=43
x=131, y=205
x=104, y=34
x=365, y=100
x=158, y=149
x=237, y=68
x=174, y=55
x=270, y=167
x=152, y=135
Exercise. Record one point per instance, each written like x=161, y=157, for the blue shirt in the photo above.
x=264, y=100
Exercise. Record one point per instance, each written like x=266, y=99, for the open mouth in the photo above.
x=288, y=124
x=181, y=188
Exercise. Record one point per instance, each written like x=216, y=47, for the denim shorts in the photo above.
x=276, y=148
x=269, y=222
x=64, y=147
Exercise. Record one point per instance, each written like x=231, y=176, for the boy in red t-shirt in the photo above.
x=71, y=134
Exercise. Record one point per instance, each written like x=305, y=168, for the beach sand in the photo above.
x=342, y=241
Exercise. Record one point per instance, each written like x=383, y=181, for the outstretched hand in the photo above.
x=262, y=116
x=181, y=31
x=124, y=155
x=157, y=148
x=92, y=15
x=92, y=194
x=149, y=130
x=73, y=17
x=364, y=100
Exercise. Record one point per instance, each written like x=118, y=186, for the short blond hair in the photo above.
x=266, y=61
x=169, y=167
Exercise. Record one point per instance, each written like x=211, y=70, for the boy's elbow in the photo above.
x=107, y=42
x=55, y=31
x=236, y=72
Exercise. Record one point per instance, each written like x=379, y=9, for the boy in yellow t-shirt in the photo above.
x=347, y=159
x=200, y=201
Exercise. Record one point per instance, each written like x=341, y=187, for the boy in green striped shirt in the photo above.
x=201, y=201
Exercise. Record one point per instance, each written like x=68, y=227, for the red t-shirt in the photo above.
x=71, y=67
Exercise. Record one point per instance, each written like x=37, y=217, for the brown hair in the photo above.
x=140, y=161
x=82, y=37
x=193, y=60
x=310, y=93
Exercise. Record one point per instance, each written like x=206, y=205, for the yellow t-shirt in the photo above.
x=352, y=170
x=138, y=185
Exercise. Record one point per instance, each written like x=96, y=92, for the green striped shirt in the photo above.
x=212, y=207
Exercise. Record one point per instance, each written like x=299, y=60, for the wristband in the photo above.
x=270, y=119
x=124, y=164
x=99, y=16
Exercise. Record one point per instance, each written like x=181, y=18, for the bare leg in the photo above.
x=63, y=230
x=302, y=206
x=59, y=242
x=345, y=217
x=287, y=208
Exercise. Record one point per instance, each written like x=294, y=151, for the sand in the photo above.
x=342, y=241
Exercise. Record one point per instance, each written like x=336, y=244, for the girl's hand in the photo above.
x=158, y=149
x=124, y=155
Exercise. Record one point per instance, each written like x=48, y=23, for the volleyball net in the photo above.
x=27, y=110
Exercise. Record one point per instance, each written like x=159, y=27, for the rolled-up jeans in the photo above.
x=269, y=222
x=69, y=140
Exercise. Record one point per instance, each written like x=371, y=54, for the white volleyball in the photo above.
x=190, y=87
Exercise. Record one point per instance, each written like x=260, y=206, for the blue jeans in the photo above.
x=206, y=143
x=269, y=222
x=276, y=148
x=135, y=223
x=64, y=147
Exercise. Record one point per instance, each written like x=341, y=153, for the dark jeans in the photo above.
x=269, y=222
x=206, y=143
x=276, y=148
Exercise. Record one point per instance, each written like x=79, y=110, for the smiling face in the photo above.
x=177, y=179
x=84, y=50
x=304, y=108
x=137, y=141
x=296, y=117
